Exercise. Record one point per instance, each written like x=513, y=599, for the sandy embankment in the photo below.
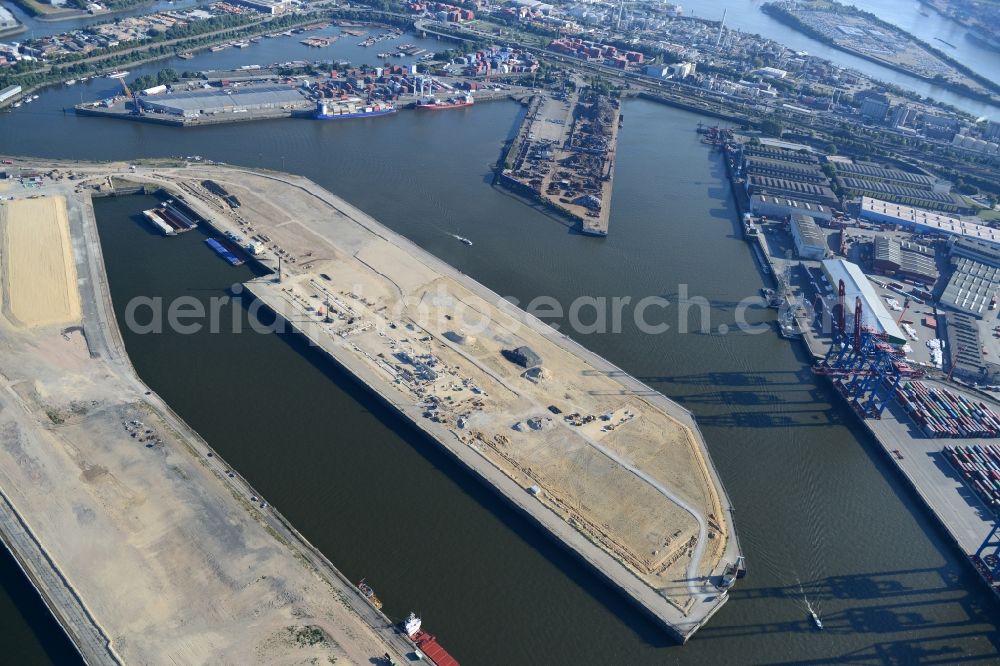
x=39, y=280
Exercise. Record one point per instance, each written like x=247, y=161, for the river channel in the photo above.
x=820, y=516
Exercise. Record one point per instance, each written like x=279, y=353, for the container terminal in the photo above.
x=897, y=306
x=613, y=471
x=259, y=93
x=564, y=156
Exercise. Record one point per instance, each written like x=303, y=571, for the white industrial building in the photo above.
x=771, y=72
x=856, y=285
x=8, y=92
x=237, y=100
x=778, y=207
x=265, y=6
x=925, y=221
x=810, y=242
x=682, y=69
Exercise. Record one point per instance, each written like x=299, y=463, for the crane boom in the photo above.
x=136, y=107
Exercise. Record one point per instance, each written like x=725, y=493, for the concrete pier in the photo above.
x=564, y=157
x=391, y=315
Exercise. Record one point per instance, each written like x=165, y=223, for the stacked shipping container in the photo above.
x=943, y=413
x=979, y=466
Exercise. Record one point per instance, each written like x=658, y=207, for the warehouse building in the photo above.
x=924, y=221
x=810, y=242
x=237, y=100
x=782, y=154
x=972, y=287
x=869, y=172
x=792, y=188
x=904, y=259
x=264, y=6
x=8, y=92
x=856, y=285
x=984, y=253
x=900, y=193
x=762, y=166
x=780, y=207
x=965, y=350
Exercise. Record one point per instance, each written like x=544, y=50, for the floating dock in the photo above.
x=172, y=218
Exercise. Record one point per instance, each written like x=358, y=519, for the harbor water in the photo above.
x=821, y=517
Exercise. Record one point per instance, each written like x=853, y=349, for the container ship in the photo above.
x=435, y=104
x=352, y=108
x=427, y=645
x=224, y=252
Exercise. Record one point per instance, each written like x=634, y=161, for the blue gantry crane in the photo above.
x=862, y=364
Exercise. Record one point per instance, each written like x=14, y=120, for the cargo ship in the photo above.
x=427, y=646
x=352, y=108
x=224, y=252
x=435, y=104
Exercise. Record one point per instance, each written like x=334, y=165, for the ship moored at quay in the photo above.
x=352, y=107
x=427, y=644
x=435, y=104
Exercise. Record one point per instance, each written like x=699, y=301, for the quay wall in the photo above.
x=814, y=347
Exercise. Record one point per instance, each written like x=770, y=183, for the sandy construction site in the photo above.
x=159, y=557
x=39, y=277
x=612, y=468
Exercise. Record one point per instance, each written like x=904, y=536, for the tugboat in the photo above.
x=427, y=646
x=369, y=594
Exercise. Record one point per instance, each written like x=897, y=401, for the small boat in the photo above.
x=733, y=571
x=369, y=594
x=71, y=82
x=815, y=620
x=461, y=239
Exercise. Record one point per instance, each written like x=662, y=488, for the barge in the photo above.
x=224, y=252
